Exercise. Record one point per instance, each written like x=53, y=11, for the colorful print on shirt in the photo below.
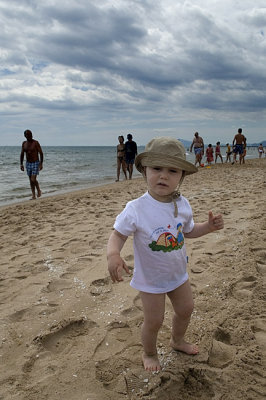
x=165, y=241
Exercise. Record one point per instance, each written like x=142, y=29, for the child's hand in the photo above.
x=215, y=222
x=116, y=265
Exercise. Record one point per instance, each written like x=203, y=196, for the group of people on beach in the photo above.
x=238, y=148
x=126, y=153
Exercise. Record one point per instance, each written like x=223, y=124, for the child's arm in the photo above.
x=214, y=223
x=115, y=263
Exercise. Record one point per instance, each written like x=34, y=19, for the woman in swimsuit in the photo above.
x=121, y=158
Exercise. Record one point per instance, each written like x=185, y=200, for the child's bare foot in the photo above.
x=185, y=347
x=39, y=193
x=151, y=363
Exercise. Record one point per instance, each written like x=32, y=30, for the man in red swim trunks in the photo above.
x=32, y=148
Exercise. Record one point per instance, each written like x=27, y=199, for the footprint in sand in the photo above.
x=138, y=383
x=243, y=289
x=112, y=371
x=18, y=315
x=188, y=382
x=131, y=312
x=260, y=258
x=199, y=267
x=101, y=286
x=62, y=336
x=119, y=333
x=261, y=268
x=222, y=353
x=58, y=285
x=259, y=329
x=260, y=254
x=198, y=245
x=135, y=310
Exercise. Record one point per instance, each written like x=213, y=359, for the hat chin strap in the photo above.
x=176, y=194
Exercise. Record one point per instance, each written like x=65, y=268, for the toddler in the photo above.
x=209, y=154
x=218, y=152
x=160, y=220
x=228, y=152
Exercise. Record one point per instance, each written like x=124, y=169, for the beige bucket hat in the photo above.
x=164, y=152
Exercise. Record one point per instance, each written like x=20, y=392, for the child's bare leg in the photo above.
x=153, y=309
x=182, y=301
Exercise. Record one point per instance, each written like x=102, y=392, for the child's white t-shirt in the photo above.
x=159, y=249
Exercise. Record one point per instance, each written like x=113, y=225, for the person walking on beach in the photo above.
x=260, y=150
x=239, y=143
x=160, y=220
x=34, y=164
x=121, y=157
x=228, y=153
x=131, y=152
x=198, y=148
x=218, y=152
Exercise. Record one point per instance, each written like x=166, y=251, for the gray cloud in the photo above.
x=128, y=64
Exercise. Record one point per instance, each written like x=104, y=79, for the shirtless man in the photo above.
x=32, y=149
x=131, y=152
x=239, y=145
x=198, y=148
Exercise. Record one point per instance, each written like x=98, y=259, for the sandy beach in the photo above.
x=67, y=332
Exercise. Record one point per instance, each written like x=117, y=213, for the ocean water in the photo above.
x=65, y=169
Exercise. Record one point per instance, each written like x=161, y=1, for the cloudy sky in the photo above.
x=82, y=72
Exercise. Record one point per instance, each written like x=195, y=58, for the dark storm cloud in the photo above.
x=160, y=58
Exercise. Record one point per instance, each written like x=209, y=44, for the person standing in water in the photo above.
x=34, y=164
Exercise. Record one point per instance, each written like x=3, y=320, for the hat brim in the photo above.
x=152, y=159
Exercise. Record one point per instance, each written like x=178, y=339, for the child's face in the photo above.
x=162, y=182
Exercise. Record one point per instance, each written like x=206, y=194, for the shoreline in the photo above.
x=68, y=332
x=80, y=191
x=106, y=184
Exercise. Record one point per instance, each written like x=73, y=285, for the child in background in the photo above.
x=218, y=152
x=242, y=159
x=228, y=153
x=260, y=150
x=160, y=220
x=209, y=154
